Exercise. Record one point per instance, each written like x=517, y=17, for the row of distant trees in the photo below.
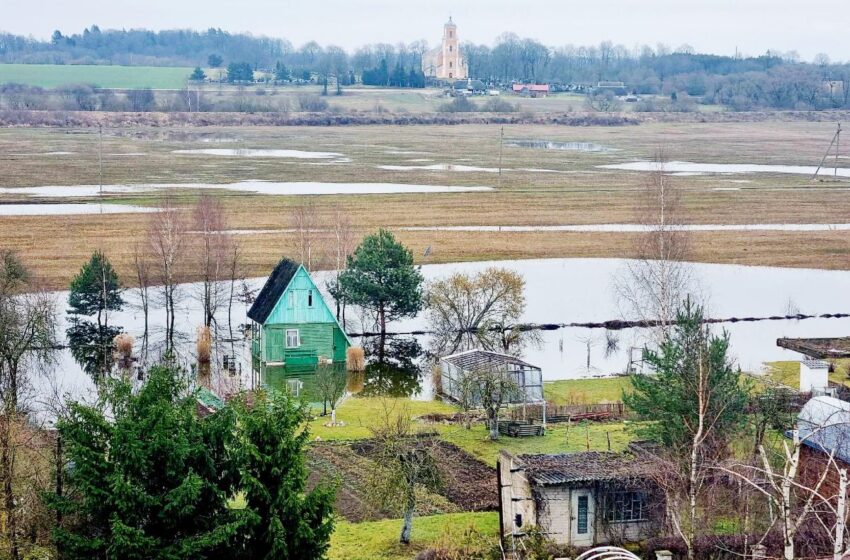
x=773, y=79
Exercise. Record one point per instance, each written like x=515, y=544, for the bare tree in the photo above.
x=477, y=311
x=658, y=279
x=305, y=221
x=213, y=245
x=330, y=383
x=166, y=235
x=492, y=389
x=27, y=338
x=341, y=245
x=404, y=461
x=142, y=269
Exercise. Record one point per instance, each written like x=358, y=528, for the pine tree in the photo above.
x=286, y=521
x=145, y=477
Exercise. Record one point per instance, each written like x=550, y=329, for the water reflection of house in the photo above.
x=292, y=326
x=578, y=499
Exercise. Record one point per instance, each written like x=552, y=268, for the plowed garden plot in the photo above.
x=468, y=484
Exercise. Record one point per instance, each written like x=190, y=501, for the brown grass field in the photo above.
x=579, y=193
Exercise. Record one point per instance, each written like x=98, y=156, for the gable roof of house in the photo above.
x=824, y=424
x=272, y=290
x=586, y=466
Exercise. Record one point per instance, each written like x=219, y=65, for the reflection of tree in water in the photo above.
x=398, y=374
x=506, y=340
x=91, y=346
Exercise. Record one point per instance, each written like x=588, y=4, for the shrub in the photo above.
x=312, y=103
x=459, y=104
x=496, y=105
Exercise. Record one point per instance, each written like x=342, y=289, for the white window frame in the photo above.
x=297, y=338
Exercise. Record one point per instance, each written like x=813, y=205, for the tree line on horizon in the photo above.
x=771, y=80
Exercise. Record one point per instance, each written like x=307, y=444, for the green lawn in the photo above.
x=378, y=540
x=559, y=438
x=788, y=372
x=359, y=413
x=586, y=391
x=119, y=77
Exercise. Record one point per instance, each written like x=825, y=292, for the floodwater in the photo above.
x=69, y=209
x=255, y=187
x=259, y=153
x=683, y=167
x=557, y=291
x=565, y=146
x=638, y=228
x=440, y=167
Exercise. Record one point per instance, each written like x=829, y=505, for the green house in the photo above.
x=292, y=326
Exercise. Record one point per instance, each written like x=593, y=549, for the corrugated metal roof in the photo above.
x=477, y=359
x=816, y=364
x=824, y=423
x=587, y=466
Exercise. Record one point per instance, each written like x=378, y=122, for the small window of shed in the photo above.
x=310, y=298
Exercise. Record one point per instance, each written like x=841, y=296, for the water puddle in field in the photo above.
x=69, y=209
x=682, y=167
x=258, y=153
x=564, y=146
x=406, y=153
x=254, y=187
x=637, y=228
x=440, y=167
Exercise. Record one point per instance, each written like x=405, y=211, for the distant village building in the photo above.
x=446, y=61
x=578, y=499
x=292, y=325
x=531, y=90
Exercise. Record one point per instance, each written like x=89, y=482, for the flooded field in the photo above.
x=564, y=146
x=258, y=153
x=440, y=167
x=585, y=295
x=255, y=187
x=69, y=209
x=687, y=169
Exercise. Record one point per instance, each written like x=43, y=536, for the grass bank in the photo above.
x=378, y=540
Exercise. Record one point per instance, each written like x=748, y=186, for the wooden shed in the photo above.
x=292, y=325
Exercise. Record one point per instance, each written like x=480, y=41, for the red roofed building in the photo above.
x=532, y=90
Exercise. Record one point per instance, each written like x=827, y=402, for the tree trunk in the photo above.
x=407, y=525
x=840, y=513
x=493, y=421
x=7, y=470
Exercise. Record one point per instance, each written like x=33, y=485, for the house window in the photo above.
x=450, y=64
x=581, y=515
x=292, y=299
x=450, y=48
x=625, y=507
x=310, y=298
x=292, y=338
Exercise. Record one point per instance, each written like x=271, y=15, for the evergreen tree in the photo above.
x=197, y=74
x=381, y=277
x=691, y=367
x=95, y=290
x=281, y=72
x=285, y=520
x=145, y=477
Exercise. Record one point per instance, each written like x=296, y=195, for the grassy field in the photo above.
x=117, y=77
x=788, y=372
x=586, y=391
x=573, y=191
x=378, y=540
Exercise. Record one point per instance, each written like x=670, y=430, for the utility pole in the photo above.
x=100, y=164
x=501, y=141
x=836, y=138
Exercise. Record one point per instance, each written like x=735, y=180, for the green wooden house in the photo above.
x=292, y=325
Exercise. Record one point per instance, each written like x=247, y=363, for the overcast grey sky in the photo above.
x=719, y=26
